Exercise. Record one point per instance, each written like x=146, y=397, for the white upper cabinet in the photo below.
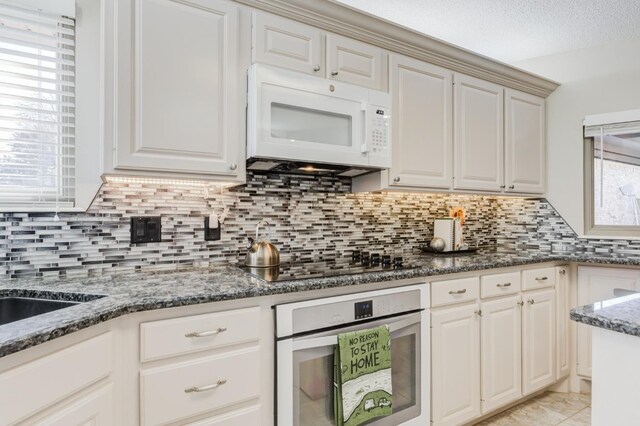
x=354, y=62
x=524, y=142
x=289, y=44
x=422, y=124
x=478, y=134
x=178, y=88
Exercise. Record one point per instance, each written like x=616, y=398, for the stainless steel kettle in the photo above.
x=262, y=254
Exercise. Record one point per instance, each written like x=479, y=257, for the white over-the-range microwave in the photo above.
x=307, y=124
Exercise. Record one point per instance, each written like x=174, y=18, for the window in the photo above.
x=612, y=174
x=37, y=107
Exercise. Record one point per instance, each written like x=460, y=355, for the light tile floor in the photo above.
x=548, y=409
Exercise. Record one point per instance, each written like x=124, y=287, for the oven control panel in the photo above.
x=363, y=309
x=316, y=314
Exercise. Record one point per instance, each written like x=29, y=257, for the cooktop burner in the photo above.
x=357, y=263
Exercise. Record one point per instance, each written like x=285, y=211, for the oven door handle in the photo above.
x=332, y=340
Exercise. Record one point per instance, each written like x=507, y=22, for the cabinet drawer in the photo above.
x=177, y=336
x=33, y=386
x=454, y=291
x=535, y=279
x=168, y=394
x=499, y=284
x=248, y=416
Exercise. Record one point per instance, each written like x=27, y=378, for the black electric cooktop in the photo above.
x=358, y=263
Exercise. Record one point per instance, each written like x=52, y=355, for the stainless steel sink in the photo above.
x=17, y=308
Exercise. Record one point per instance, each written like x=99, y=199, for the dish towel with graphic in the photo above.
x=362, y=376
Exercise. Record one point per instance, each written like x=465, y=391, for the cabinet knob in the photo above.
x=562, y=272
x=520, y=303
x=233, y=166
x=334, y=73
x=479, y=312
x=396, y=180
x=503, y=186
x=316, y=68
x=512, y=187
x=531, y=301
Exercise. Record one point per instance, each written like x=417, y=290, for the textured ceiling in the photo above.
x=514, y=30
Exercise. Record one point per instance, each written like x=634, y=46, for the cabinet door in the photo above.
x=501, y=352
x=538, y=340
x=478, y=134
x=422, y=124
x=95, y=409
x=179, y=98
x=525, y=153
x=355, y=62
x=562, y=321
x=288, y=44
x=455, y=368
x=594, y=285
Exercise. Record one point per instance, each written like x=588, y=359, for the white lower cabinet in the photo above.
x=563, y=365
x=492, y=347
x=246, y=417
x=455, y=335
x=538, y=342
x=594, y=285
x=94, y=409
x=198, y=386
x=43, y=382
x=501, y=352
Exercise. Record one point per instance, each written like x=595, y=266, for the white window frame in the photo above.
x=92, y=17
x=591, y=230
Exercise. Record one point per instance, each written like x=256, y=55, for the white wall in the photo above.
x=593, y=81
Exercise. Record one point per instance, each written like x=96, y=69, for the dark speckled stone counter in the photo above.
x=124, y=294
x=621, y=314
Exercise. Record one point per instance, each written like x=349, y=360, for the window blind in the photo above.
x=37, y=108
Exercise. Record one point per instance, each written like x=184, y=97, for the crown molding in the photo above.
x=346, y=21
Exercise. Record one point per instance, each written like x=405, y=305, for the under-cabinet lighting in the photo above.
x=165, y=181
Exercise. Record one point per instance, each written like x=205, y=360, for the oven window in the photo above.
x=299, y=124
x=313, y=383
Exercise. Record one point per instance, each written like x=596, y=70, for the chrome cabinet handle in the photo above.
x=531, y=301
x=396, y=180
x=206, y=333
x=504, y=285
x=542, y=278
x=233, y=166
x=206, y=388
x=463, y=291
x=520, y=303
x=316, y=68
x=334, y=73
x=479, y=312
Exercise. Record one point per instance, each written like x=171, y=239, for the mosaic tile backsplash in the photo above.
x=311, y=218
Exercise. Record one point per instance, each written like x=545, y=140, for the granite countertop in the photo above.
x=621, y=314
x=108, y=297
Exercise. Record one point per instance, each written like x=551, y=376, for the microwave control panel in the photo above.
x=379, y=130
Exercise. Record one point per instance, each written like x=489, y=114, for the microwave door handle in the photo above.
x=364, y=147
x=332, y=340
